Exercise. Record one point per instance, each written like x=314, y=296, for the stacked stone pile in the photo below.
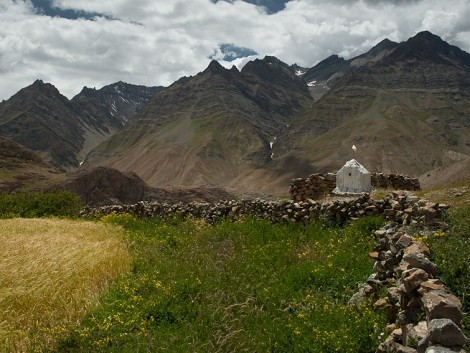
x=423, y=315
x=318, y=185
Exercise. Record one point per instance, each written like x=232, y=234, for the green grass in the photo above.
x=450, y=251
x=247, y=286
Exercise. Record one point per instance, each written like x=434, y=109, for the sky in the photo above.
x=77, y=43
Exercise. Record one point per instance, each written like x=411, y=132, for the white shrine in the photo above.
x=352, y=178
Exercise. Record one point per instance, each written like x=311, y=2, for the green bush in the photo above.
x=40, y=204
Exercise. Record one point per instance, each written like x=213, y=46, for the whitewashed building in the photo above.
x=353, y=178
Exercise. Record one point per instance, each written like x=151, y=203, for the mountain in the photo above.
x=405, y=106
x=118, y=101
x=407, y=111
x=21, y=168
x=63, y=131
x=333, y=68
x=217, y=128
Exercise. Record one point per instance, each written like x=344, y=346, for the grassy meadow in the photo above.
x=122, y=284
x=248, y=286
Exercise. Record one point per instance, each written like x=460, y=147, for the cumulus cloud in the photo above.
x=155, y=42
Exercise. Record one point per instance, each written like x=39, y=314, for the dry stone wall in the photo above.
x=400, y=207
x=423, y=315
x=319, y=185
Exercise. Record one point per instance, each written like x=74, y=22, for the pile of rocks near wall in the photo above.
x=423, y=315
x=319, y=185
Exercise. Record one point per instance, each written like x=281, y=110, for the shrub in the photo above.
x=40, y=204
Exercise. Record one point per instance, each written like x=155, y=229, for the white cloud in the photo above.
x=155, y=42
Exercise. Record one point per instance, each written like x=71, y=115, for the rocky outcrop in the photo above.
x=103, y=186
x=106, y=186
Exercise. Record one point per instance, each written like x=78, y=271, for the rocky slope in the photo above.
x=21, y=168
x=215, y=128
x=404, y=105
x=62, y=130
x=107, y=186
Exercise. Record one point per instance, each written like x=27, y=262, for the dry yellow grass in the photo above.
x=51, y=271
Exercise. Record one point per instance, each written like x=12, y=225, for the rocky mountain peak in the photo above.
x=428, y=47
x=384, y=45
x=274, y=71
x=215, y=67
x=41, y=88
x=87, y=92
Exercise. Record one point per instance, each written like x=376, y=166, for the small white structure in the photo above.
x=352, y=178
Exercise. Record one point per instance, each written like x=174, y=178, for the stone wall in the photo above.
x=394, y=182
x=319, y=185
x=423, y=315
x=313, y=187
x=400, y=207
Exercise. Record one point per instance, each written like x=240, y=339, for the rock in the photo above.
x=440, y=349
x=439, y=304
x=418, y=332
x=413, y=278
x=381, y=303
x=420, y=261
x=431, y=284
x=418, y=248
x=365, y=290
x=408, y=316
x=443, y=332
x=403, y=242
x=402, y=349
x=402, y=267
x=393, y=295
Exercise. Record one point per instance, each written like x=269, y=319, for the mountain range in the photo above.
x=406, y=107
